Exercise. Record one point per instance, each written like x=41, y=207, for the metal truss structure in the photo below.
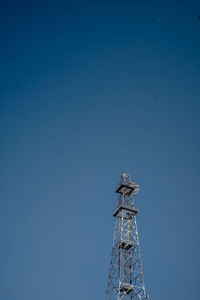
x=126, y=276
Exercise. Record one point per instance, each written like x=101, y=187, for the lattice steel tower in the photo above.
x=125, y=276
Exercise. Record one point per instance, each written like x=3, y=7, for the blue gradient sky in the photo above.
x=88, y=88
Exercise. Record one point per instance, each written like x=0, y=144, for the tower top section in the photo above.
x=126, y=187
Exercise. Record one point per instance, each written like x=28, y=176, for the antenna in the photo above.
x=126, y=277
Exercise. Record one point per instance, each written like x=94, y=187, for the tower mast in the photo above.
x=126, y=277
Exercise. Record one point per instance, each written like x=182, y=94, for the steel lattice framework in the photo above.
x=126, y=276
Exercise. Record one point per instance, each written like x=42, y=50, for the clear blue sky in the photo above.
x=88, y=88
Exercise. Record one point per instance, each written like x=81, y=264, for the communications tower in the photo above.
x=126, y=276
